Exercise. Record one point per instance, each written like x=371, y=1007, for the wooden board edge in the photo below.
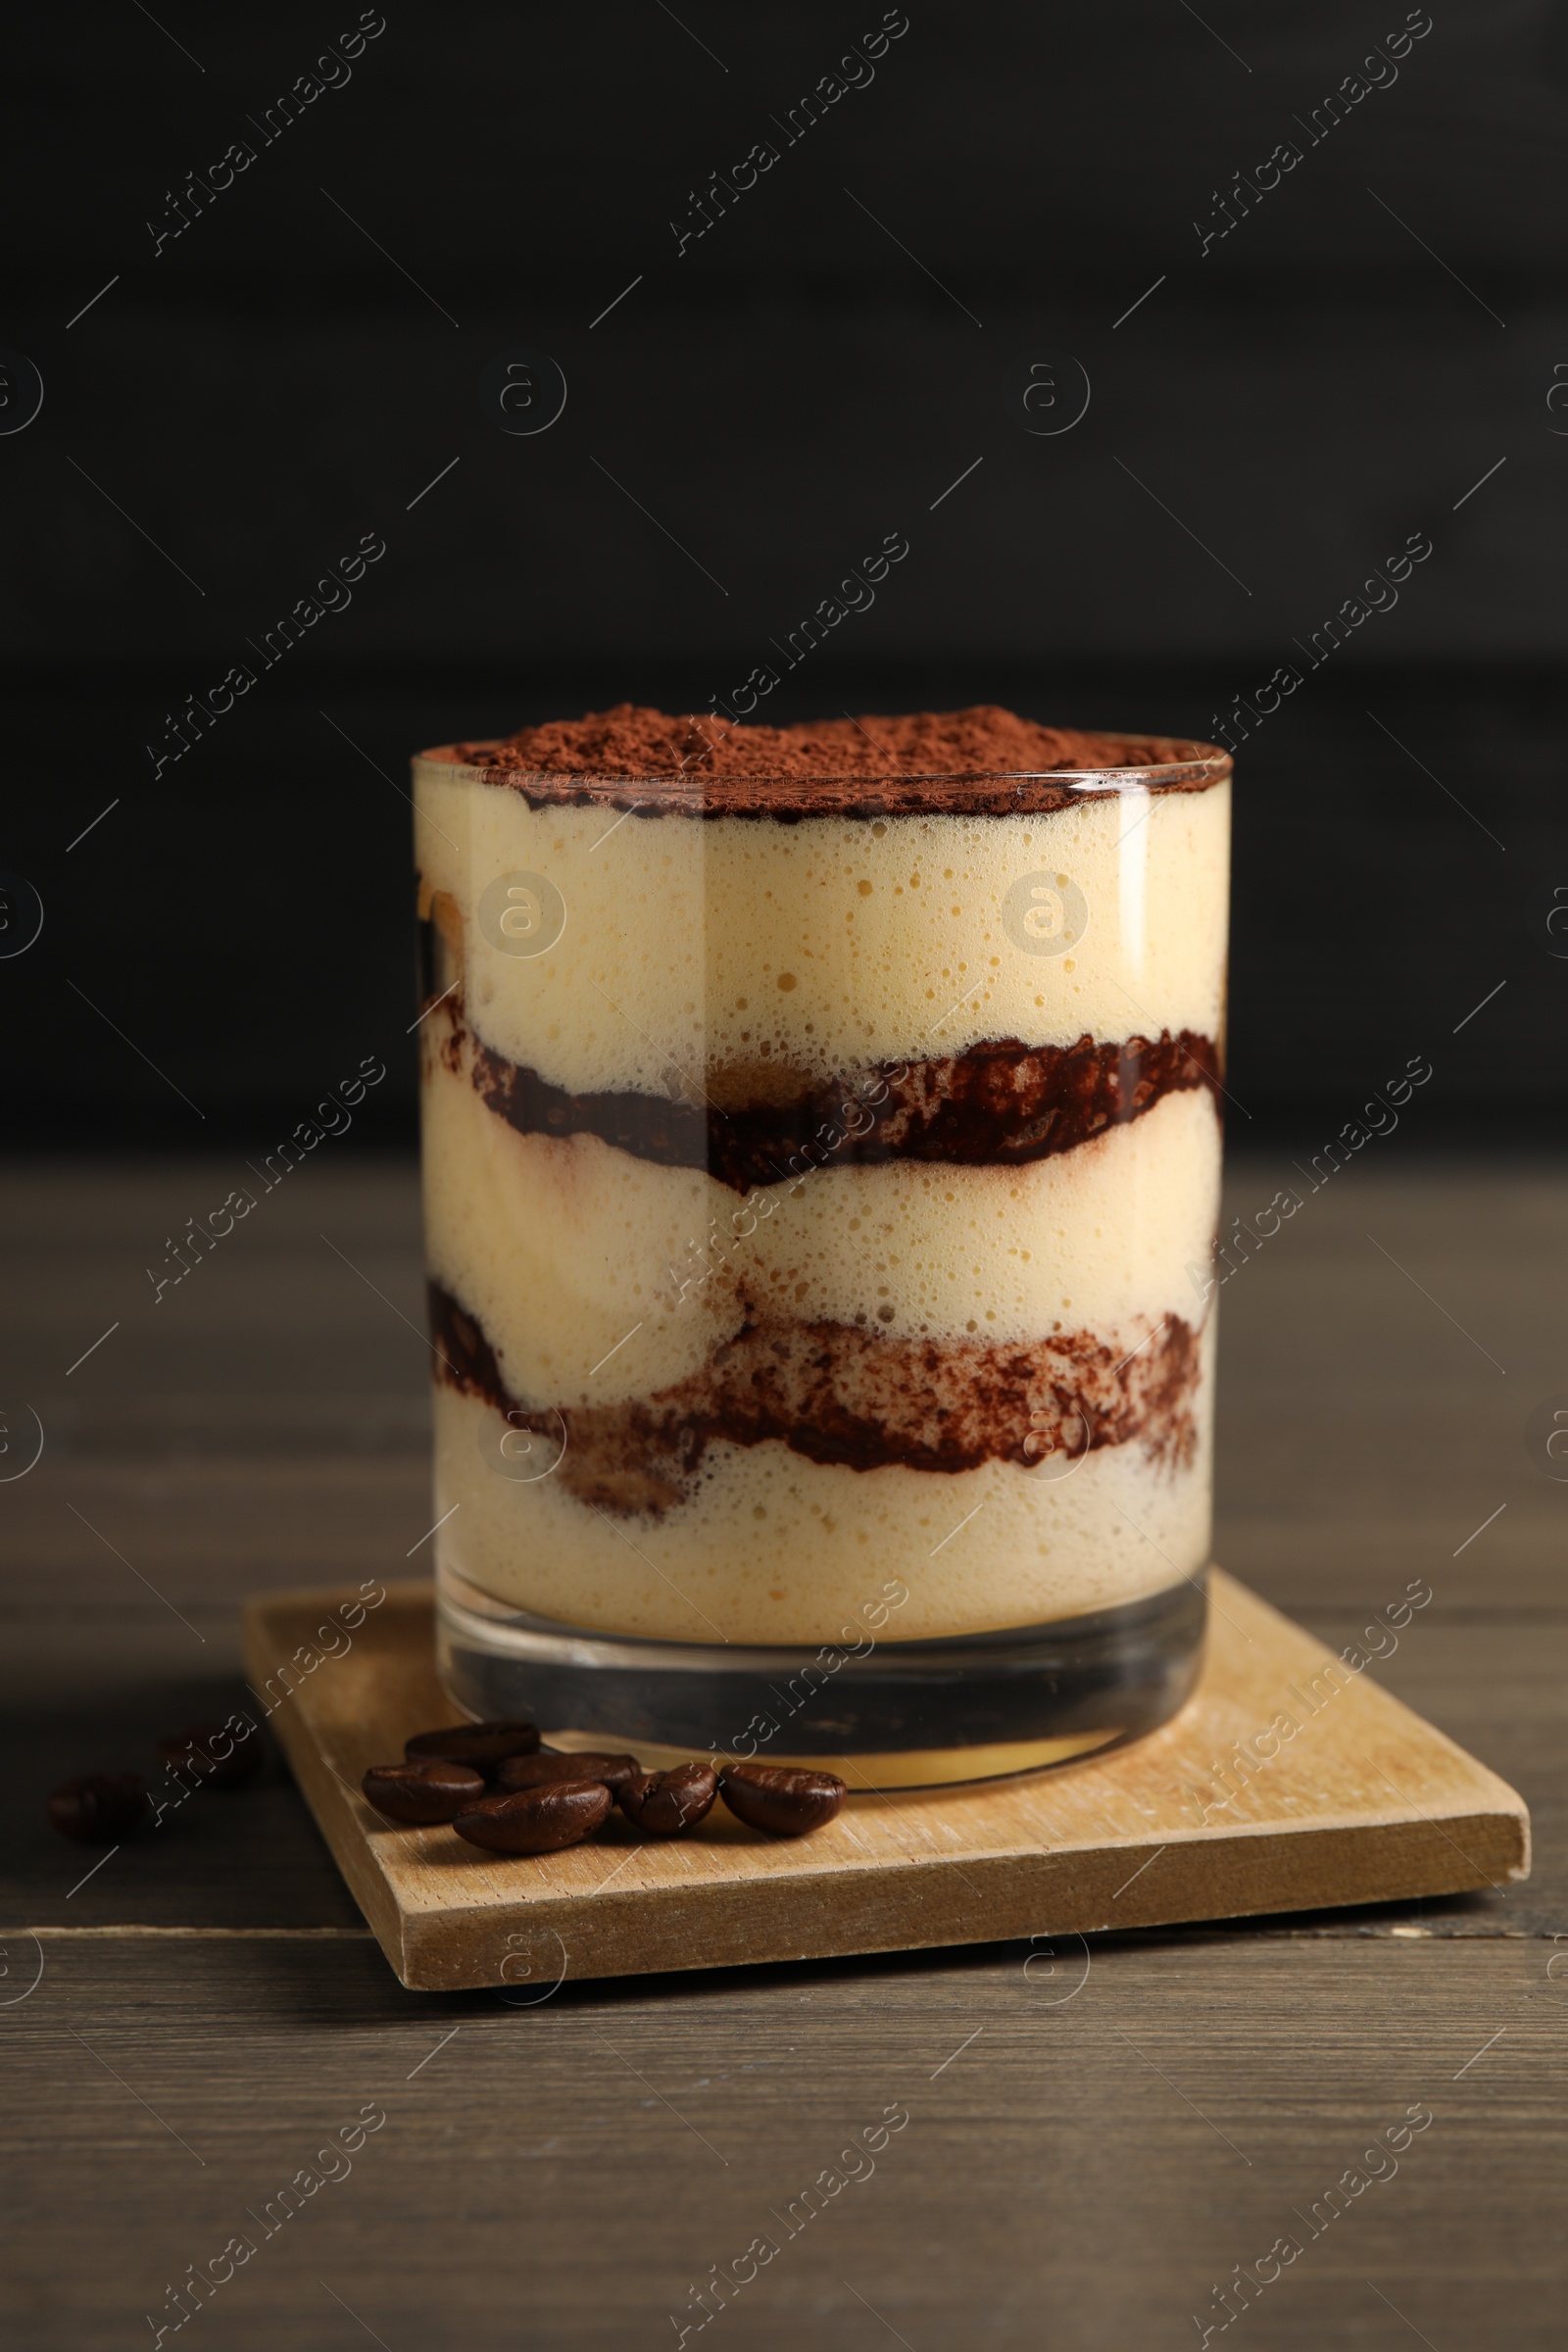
x=326, y=1799
x=938, y=1904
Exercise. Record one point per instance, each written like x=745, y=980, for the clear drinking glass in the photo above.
x=822, y=1181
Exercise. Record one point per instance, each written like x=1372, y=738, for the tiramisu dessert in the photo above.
x=821, y=1148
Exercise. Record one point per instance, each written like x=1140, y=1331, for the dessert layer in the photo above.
x=704, y=961
x=835, y=1393
x=600, y=1276
x=1002, y=1104
x=983, y=759
x=774, y=1547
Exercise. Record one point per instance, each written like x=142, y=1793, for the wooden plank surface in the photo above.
x=1363, y=1802
x=1064, y=2176
x=1097, y=2135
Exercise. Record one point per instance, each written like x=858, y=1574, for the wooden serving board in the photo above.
x=1363, y=1802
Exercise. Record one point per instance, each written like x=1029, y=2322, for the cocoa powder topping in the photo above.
x=984, y=759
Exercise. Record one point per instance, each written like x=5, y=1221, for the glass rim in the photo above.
x=1191, y=763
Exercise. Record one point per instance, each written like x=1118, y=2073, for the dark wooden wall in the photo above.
x=225, y=421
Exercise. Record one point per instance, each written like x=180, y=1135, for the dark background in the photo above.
x=1327, y=380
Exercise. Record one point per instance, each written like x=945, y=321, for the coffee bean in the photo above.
x=485, y=1746
x=428, y=1789
x=784, y=1798
x=99, y=1807
x=540, y=1771
x=535, y=1820
x=213, y=1752
x=666, y=1802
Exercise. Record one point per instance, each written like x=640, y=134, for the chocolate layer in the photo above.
x=998, y=1104
x=837, y=1393
x=984, y=760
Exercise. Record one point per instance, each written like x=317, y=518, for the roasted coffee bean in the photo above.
x=483, y=1746
x=550, y=1766
x=213, y=1752
x=784, y=1798
x=99, y=1807
x=535, y=1820
x=666, y=1802
x=430, y=1788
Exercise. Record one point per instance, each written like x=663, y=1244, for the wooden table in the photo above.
x=1095, y=2136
